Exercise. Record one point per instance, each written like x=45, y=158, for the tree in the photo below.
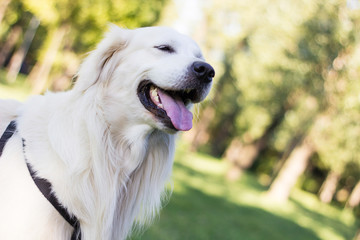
x=39, y=75
x=63, y=17
x=295, y=165
x=9, y=44
x=242, y=157
x=323, y=51
x=19, y=56
x=254, y=101
x=15, y=17
x=3, y=6
x=354, y=199
x=328, y=188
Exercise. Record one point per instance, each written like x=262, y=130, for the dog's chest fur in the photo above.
x=105, y=180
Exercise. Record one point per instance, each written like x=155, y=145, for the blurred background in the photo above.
x=275, y=150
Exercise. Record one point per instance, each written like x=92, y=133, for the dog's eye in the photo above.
x=165, y=48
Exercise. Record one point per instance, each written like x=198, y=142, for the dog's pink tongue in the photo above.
x=180, y=116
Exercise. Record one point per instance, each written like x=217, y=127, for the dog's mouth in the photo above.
x=169, y=106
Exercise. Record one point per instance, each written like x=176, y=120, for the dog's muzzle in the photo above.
x=171, y=105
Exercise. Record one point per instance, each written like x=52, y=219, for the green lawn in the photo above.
x=19, y=90
x=205, y=206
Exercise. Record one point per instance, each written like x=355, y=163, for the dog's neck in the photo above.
x=105, y=179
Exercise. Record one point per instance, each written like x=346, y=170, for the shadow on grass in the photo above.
x=247, y=180
x=195, y=215
x=337, y=224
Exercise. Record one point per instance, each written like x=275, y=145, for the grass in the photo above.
x=18, y=90
x=204, y=206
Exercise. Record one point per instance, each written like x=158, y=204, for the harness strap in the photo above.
x=45, y=188
x=11, y=128
x=43, y=185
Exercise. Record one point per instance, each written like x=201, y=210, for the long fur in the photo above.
x=106, y=157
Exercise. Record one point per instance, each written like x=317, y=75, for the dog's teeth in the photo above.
x=154, y=92
x=160, y=105
x=156, y=98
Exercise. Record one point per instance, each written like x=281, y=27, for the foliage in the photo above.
x=297, y=63
x=87, y=20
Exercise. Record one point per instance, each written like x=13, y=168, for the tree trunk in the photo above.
x=357, y=235
x=354, y=199
x=19, y=56
x=295, y=141
x=242, y=156
x=40, y=73
x=328, y=188
x=9, y=45
x=3, y=6
x=232, y=154
x=291, y=171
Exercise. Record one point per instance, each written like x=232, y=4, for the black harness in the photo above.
x=44, y=185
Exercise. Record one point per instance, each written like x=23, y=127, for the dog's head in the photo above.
x=147, y=76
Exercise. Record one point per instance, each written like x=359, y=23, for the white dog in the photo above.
x=105, y=147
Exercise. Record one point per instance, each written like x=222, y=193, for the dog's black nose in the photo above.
x=203, y=71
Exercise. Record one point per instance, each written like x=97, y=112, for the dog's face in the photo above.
x=153, y=76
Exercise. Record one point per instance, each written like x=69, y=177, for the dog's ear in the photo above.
x=96, y=67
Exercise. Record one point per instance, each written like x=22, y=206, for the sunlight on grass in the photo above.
x=324, y=218
x=20, y=90
x=10, y=93
x=310, y=201
x=206, y=206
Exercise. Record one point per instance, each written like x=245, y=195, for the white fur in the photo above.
x=107, y=157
